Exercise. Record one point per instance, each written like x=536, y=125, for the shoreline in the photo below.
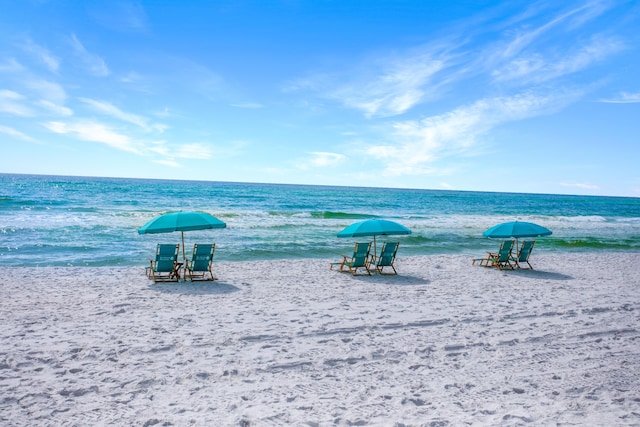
x=468, y=254
x=291, y=342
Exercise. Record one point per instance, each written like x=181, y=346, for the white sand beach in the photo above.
x=291, y=343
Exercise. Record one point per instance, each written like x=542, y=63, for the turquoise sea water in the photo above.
x=77, y=221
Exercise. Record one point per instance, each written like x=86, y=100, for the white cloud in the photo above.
x=397, y=89
x=325, y=159
x=320, y=159
x=418, y=145
x=624, y=98
x=571, y=19
x=113, y=111
x=12, y=103
x=582, y=186
x=94, y=63
x=401, y=83
x=60, y=110
x=125, y=16
x=192, y=151
x=52, y=92
x=95, y=132
x=536, y=68
x=10, y=65
x=42, y=54
x=248, y=105
x=14, y=133
x=539, y=46
x=131, y=77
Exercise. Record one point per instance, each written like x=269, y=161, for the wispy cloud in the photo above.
x=42, y=55
x=248, y=105
x=624, y=98
x=95, y=132
x=517, y=75
x=581, y=186
x=14, y=133
x=113, y=111
x=51, y=91
x=125, y=16
x=416, y=146
x=59, y=110
x=530, y=32
x=10, y=65
x=525, y=53
x=92, y=62
x=326, y=159
x=538, y=68
x=401, y=83
x=158, y=151
x=13, y=103
x=192, y=151
x=319, y=160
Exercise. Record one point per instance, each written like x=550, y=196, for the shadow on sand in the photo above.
x=399, y=280
x=539, y=274
x=195, y=288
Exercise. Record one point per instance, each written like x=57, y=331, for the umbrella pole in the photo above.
x=184, y=260
x=375, y=251
x=184, y=257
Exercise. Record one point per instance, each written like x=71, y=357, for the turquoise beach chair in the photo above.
x=165, y=266
x=523, y=255
x=501, y=260
x=387, y=258
x=200, y=264
x=360, y=259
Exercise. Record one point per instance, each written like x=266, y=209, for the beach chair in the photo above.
x=523, y=255
x=386, y=258
x=199, y=266
x=501, y=259
x=360, y=259
x=165, y=267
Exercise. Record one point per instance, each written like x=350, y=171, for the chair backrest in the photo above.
x=505, y=250
x=525, y=251
x=360, y=254
x=388, y=253
x=166, y=256
x=202, y=257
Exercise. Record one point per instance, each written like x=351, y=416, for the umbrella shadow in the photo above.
x=540, y=274
x=196, y=288
x=396, y=280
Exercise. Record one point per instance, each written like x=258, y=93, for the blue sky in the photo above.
x=524, y=96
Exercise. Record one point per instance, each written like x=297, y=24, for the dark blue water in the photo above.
x=48, y=220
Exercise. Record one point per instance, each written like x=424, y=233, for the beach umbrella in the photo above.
x=374, y=227
x=181, y=221
x=516, y=230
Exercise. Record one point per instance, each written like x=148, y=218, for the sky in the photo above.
x=513, y=96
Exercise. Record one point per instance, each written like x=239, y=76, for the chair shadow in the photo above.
x=539, y=274
x=196, y=288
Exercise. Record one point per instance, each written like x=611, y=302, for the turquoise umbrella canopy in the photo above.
x=516, y=230
x=374, y=227
x=181, y=221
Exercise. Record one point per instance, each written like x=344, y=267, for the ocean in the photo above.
x=82, y=221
